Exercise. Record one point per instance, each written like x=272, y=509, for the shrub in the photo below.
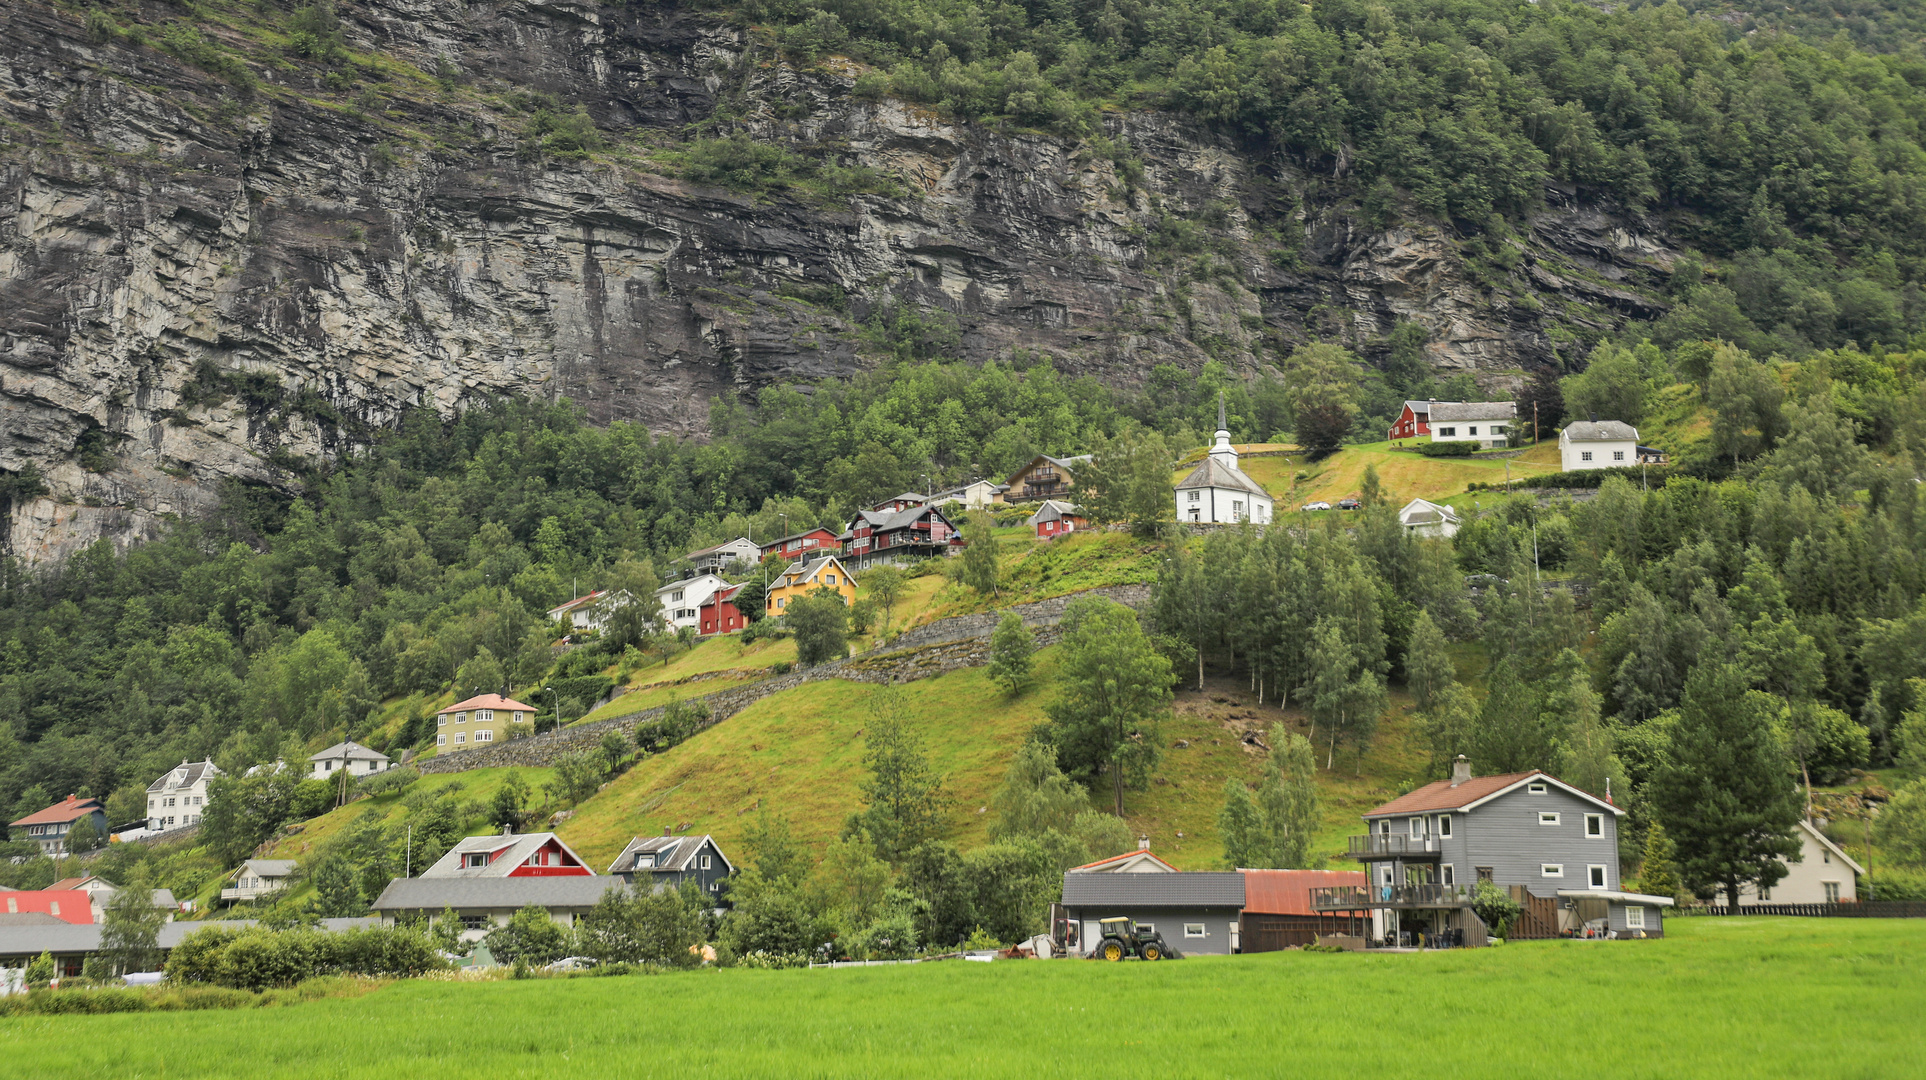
x=583, y=688
x=563, y=134
x=1447, y=449
x=1496, y=907
x=741, y=162
x=1652, y=476
x=255, y=958
x=678, y=721
x=392, y=782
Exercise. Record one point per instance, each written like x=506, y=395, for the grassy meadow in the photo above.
x=1718, y=998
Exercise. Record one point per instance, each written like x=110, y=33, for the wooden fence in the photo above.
x=1870, y=909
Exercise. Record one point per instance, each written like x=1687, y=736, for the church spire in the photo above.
x=1221, y=426
x=1222, y=450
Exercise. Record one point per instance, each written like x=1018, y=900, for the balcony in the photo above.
x=1356, y=897
x=1393, y=846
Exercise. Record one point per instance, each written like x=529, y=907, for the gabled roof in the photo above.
x=351, y=751
x=71, y=808
x=434, y=893
x=690, y=583
x=76, y=907
x=807, y=572
x=1475, y=792
x=1213, y=473
x=1420, y=511
x=1288, y=892
x=1144, y=855
x=487, y=701
x=721, y=596
x=886, y=520
x=1599, y=431
x=718, y=547
x=916, y=497
x=1052, y=510
x=1130, y=892
x=1068, y=463
x=1448, y=411
x=186, y=774
x=65, y=884
x=1826, y=842
x=509, y=851
x=269, y=867
x=1419, y=407
x=563, y=609
x=781, y=540
x=672, y=853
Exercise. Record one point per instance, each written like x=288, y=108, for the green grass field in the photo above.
x=1719, y=998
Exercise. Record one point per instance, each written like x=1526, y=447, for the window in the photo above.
x=1635, y=918
x=1584, y=455
x=1618, y=455
x=1483, y=872
x=461, y=718
x=1832, y=891
x=484, y=736
x=1447, y=874
x=1444, y=824
x=1594, y=824
x=1472, y=430
x=477, y=859
x=441, y=720
x=1546, y=817
x=441, y=740
x=1765, y=895
x=831, y=578
x=1595, y=877
x=474, y=922
x=1384, y=827
x=781, y=600
x=1535, y=789
x=1496, y=428
x=1826, y=857
x=1551, y=870
x=1196, y=496
x=484, y=716
x=705, y=862
x=645, y=861
x=715, y=886
x=1193, y=929
x=460, y=737
x=1417, y=827
x=675, y=596
x=1146, y=928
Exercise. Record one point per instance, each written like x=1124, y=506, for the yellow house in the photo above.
x=801, y=579
x=481, y=721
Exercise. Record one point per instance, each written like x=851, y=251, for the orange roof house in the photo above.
x=49, y=827
x=481, y=720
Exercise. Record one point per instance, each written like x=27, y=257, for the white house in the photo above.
x=1217, y=490
x=681, y=600
x=1482, y=422
x=974, y=495
x=591, y=612
x=1597, y=444
x=257, y=878
x=179, y=798
x=1421, y=517
x=350, y=757
x=1823, y=876
x=712, y=559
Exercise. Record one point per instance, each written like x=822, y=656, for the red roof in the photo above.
x=74, y=906
x=1288, y=892
x=1442, y=796
x=487, y=701
x=72, y=808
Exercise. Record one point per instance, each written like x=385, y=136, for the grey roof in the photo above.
x=1067, y=462
x=885, y=520
x=1417, y=406
x=348, y=751
x=1600, y=431
x=269, y=867
x=1424, y=511
x=30, y=918
x=68, y=938
x=433, y=894
x=195, y=770
x=1212, y=473
x=165, y=898
x=520, y=845
x=1135, y=891
x=916, y=497
x=673, y=853
x=1051, y=510
x=1447, y=411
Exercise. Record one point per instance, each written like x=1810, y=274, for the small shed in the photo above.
x=1277, y=906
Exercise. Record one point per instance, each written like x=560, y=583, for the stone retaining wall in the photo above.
x=924, y=652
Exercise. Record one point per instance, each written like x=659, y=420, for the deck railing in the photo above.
x=1353, y=897
x=1378, y=844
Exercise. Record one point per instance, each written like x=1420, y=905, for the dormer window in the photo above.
x=477, y=859
x=645, y=861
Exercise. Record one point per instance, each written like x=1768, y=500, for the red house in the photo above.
x=1054, y=518
x=884, y=536
x=46, y=907
x=719, y=614
x=1414, y=421
x=508, y=855
x=804, y=545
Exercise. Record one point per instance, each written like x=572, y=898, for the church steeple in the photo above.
x=1222, y=450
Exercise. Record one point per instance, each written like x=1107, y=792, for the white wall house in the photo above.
x=682, y=600
x=1486, y=423
x=1218, y=491
x=349, y=757
x=1421, y=517
x=1597, y=444
x=179, y=798
x=974, y=495
x=1823, y=876
x=712, y=559
x=591, y=612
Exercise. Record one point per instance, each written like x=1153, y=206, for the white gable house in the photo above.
x=1483, y=422
x=1218, y=491
x=682, y=600
x=1421, y=517
x=1597, y=444
x=179, y=798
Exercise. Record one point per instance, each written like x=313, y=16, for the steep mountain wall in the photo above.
x=198, y=283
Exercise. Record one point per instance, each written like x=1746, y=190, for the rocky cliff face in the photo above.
x=199, y=284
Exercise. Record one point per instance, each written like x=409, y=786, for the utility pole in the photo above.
x=408, y=866
x=1534, y=423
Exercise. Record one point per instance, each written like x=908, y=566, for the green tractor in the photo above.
x=1121, y=939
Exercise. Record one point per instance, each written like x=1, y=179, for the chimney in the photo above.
x=1143, y=843
x=668, y=830
x=508, y=830
x=1460, y=770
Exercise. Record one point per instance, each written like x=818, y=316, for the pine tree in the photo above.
x=1012, y=648
x=1658, y=875
x=903, y=792
x=1115, y=691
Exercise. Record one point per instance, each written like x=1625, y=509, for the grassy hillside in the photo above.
x=1752, y=998
x=476, y=787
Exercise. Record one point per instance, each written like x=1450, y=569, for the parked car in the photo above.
x=1320, y=505
x=1350, y=504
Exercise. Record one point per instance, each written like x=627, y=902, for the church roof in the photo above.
x=1213, y=473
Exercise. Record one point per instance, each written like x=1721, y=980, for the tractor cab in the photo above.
x=1121, y=940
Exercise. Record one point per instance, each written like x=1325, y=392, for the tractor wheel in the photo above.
x=1153, y=952
x=1112, y=951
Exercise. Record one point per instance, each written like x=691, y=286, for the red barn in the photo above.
x=719, y=614
x=1413, y=422
x=1054, y=518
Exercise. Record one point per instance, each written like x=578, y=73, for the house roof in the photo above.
x=1213, y=473
x=781, y=540
x=1288, y=892
x=1440, y=795
x=807, y=572
x=1444, y=411
x=1137, y=891
x=1423, y=407
x=718, y=547
x=1826, y=842
x=488, y=701
x=1051, y=510
x=916, y=497
x=18, y=941
x=1420, y=511
x=515, y=848
x=563, y=609
x=690, y=583
x=1621, y=897
x=1141, y=854
x=672, y=853
x=1069, y=463
x=269, y=867
x=351, y=751
x=886, y=520
x=1599, y=431
x=71, y=808
x=76, y=906
x=186, y=774
x=30, y=918
x=78, y=883
x=721, y=596
x=435, y=893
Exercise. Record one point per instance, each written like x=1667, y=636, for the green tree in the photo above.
x=1036, y=796
x=130, y=928
x=530, y=937
x=1911, y=740
x=1288, y=798
x=243, y=811
x=773, y=851
x=903, y=795
x=1242, y=827
x=977, y=566
x=1012, y=647
x=1128, y=481
x=884, y=584
x=1427, y=662
x=1115, y=689
x=1724, y=791
x=337, y=893
x=1901, y=826
x=820, y=621
x=1345, y=697
x=578, y=775
x=1658, y=873
x=1613, y=386
x=508, y=809
x=1745, y=397
x=84, y=837
x=1321, y=382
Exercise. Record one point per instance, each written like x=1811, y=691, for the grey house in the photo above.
x=1553, y=846
x=667, y=861
x=1195, y=912
x=483, y=903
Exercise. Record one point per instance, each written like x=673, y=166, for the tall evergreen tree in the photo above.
x=1115, y=691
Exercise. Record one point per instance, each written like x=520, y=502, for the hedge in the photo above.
x=1447, y=449
x=1652, y=476
x=255, y=958
x=586, y=689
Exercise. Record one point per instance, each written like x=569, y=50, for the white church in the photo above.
x=1217, y=490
